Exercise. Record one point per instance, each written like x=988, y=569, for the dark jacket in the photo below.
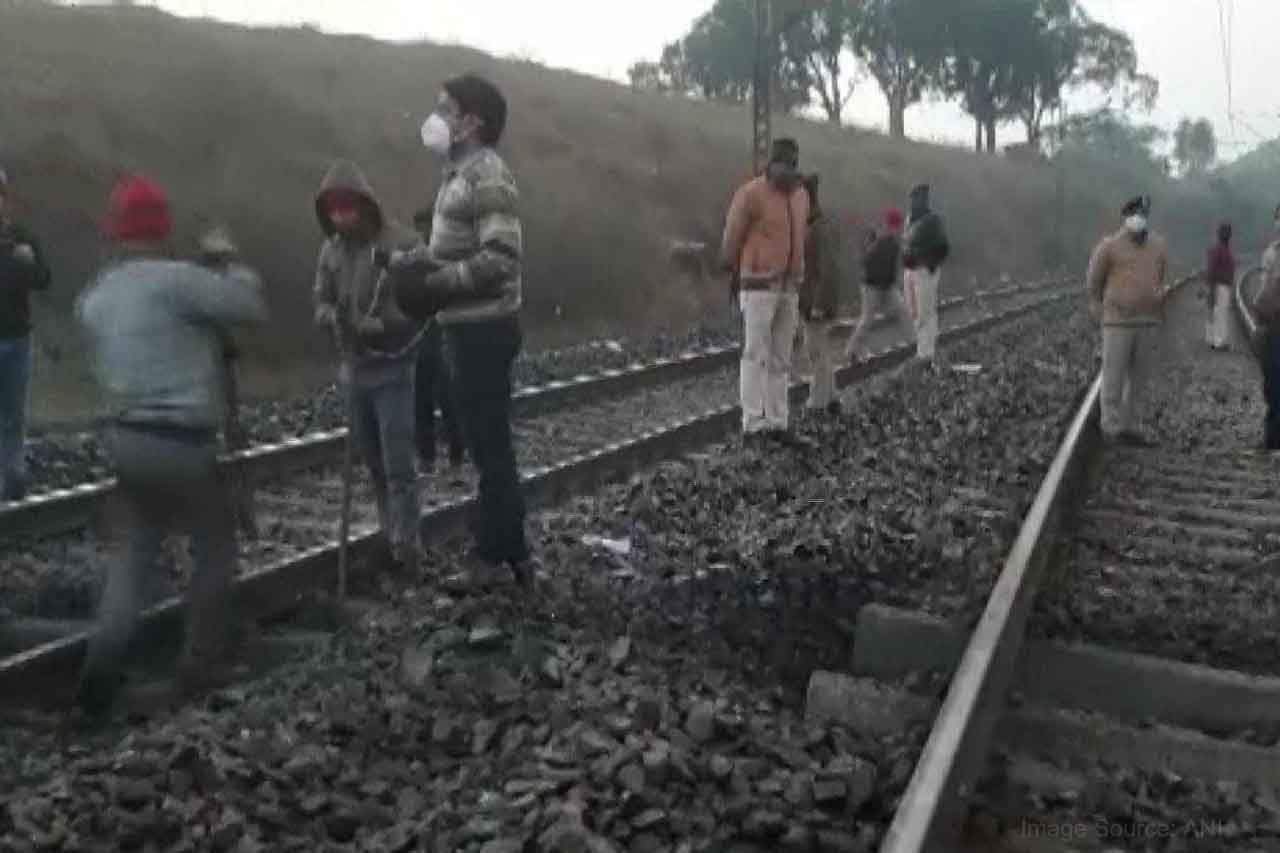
x=880, y=260
x=820, y=288
x=17, y=279
x=1220, y=265
x=926, y=238
x=348, y=281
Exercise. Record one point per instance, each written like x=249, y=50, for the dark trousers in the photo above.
x=432, y=388
x=168, y=482
x=480, y=357
x=1270, y=356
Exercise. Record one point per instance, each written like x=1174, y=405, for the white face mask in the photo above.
x=436, y=135
x=1136, y=223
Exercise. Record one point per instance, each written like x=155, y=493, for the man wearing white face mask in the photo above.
x=1127, y=293
x=470, y=279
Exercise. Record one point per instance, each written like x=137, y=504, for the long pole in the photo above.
x=762, y=87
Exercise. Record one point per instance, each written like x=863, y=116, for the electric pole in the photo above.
x=762, y=87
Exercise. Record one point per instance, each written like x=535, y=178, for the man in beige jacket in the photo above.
x=1127, y=293
x=764, y=242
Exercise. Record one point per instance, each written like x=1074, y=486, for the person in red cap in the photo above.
x=880, y=262
x=155, y=327
x=22, y=270
x=377, y=345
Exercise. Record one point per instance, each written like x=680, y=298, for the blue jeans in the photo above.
x=15, y=383
x=382, y=420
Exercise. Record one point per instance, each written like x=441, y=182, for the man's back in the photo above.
x=156, y=329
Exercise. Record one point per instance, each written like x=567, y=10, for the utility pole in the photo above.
x=762, y=87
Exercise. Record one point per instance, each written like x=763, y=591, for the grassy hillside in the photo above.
x=241, y=124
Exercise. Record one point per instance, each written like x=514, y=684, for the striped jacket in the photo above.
x=476, y=236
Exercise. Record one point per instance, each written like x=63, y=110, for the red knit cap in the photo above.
x=138, y=211
x=893, y=217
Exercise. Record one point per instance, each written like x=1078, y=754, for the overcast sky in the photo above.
x=1180, y=42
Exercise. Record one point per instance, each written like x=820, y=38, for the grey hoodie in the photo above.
x=156, y=330
x=347, y=280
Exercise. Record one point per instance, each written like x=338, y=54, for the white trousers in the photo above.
x=769, y=319
x=1127, y=356
x=1216, y=330
x=921, y=289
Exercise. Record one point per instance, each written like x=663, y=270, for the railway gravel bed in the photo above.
x=57, y=577
x=62, y=459
x=1049, y=806
x=1166, y=560
x=648, y=699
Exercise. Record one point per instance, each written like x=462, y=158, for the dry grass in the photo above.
x=241, y=124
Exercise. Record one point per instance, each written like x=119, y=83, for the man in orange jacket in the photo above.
x=764, y=240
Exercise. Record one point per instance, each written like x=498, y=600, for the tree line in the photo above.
x=1001, y=60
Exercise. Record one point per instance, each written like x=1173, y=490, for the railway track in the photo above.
x=1120, y=688
x=279, y=586
x=62, y=510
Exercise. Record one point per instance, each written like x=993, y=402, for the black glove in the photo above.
x=381, y=257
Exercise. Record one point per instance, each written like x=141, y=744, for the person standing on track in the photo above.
x=472, y=282
x=820, y=300
x=764, y=242
x=927, y=249
x=377, y=345
x=880, y=260
x=22, y=270
x=1127, y=294
x=432, y=385
x=156, y=329
x=1220, y=275
x=1266, y=309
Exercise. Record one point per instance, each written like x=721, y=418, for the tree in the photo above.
x=717, y=59
x=1195, y=146
x=817, y=35
x=1072, y=51
x=1108, y=135
x=646, y=76
x=902, y=45
x=991, y=44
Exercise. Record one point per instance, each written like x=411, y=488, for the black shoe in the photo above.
x=523, y=572
x=786, y=438
x=95, y=697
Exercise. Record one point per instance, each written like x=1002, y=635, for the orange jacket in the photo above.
x=757, y=239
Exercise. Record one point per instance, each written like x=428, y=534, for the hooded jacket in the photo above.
x=925, y=242
x=348, y=281
x=880, y=260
